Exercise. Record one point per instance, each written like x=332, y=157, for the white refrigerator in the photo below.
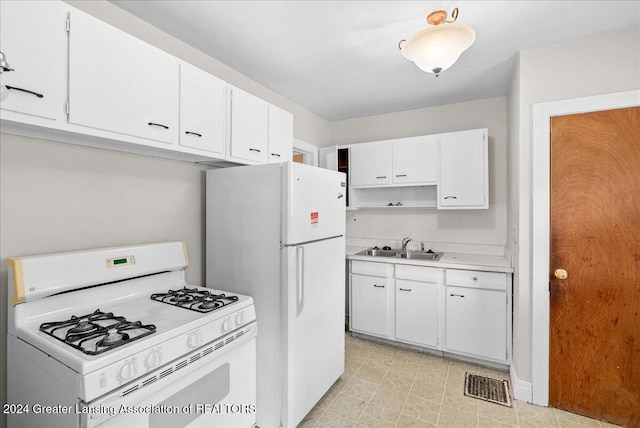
x=276, y=232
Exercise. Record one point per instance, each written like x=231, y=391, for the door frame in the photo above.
x=540, y=248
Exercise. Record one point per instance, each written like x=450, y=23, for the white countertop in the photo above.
x=448, y=260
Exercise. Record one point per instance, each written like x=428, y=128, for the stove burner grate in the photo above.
x=97, y=332
x=195, y=299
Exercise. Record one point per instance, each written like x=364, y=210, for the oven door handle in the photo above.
x=299, y=280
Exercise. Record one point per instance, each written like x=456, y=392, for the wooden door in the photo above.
x=595, y=237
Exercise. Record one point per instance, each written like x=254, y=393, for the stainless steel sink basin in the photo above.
x=401, y=254
x=378, y=252
x=420, y=255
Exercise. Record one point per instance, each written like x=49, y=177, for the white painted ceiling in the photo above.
x=340, y=60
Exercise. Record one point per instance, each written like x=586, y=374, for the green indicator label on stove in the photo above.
x=119, y=261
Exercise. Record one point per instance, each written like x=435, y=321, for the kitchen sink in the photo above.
x=378, y=252
x=401, y=254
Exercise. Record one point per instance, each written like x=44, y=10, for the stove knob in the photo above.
x=153, y=359
x=226, y=325
x=240, y=319
x=128, y=371
x=194, y=339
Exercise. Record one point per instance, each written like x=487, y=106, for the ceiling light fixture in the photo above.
x=437, y=48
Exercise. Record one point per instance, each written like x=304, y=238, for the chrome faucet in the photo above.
x=405, y=241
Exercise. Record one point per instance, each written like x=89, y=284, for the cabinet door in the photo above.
x=464, y=173
x=248, y=127
x=34, y=40
x=119, y=83
x=370, y=164
x=417, y=312
x=203, y=110
x=369, y=305
x=280, y=135
x=415, y=160
x=476, y=322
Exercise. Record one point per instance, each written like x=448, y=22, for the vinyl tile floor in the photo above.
x=384, y=387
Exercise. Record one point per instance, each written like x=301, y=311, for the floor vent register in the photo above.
x=487, y=389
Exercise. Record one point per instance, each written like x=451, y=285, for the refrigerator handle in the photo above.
x=299, y=280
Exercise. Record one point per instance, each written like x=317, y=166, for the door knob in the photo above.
x=561, y=274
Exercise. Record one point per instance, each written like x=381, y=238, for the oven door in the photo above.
x=207, y=388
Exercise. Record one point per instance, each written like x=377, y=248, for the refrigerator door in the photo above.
x=313, y=355
x=314, y=203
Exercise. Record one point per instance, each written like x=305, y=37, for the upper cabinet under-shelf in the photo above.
x=447, y=171
x=87, y=82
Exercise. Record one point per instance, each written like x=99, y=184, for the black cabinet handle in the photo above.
x=456, y=295
x=381, y=176
x=378, y=286
x=25, y=90
x=254, y=150
x=275, y=154
x=405, y=289
x=401, y=175
x=193, y=133
x=158, y=124
x=451, y=197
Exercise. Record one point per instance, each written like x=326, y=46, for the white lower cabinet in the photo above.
x=371, y=298
x=417, y=312
x=478, y=315
x=461, y=312
x=370, y=307
x=402, y=305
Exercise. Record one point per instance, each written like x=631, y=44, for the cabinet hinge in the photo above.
x=68, y=25
x=66, y=108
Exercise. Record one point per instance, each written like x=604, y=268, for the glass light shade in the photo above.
x=437, y=48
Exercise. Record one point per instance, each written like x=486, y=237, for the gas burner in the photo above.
x=181, y=297
x=195, y=299
x=82, y=327
x=98, y=332
x=113, y=338
x=209, y=303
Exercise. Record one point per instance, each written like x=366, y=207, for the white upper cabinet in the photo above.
x=280, y=135
x=248, y=127
x=415, y=160
x=34, y=40
x=121, y=84
x=203, y=110
x=464, y=165
x=370, y=164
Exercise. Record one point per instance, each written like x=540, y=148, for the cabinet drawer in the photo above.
x=476, y=279
x=418, y=273
x=370, y=268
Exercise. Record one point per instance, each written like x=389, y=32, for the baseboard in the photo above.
x=522, y=390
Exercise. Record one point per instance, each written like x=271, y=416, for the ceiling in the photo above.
x=340, y=59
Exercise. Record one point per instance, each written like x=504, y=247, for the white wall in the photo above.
x=600, y=64
x=478, y=231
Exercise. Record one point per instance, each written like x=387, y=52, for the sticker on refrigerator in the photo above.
x=314, y=219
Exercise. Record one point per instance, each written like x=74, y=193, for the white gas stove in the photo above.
x=115, y=337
